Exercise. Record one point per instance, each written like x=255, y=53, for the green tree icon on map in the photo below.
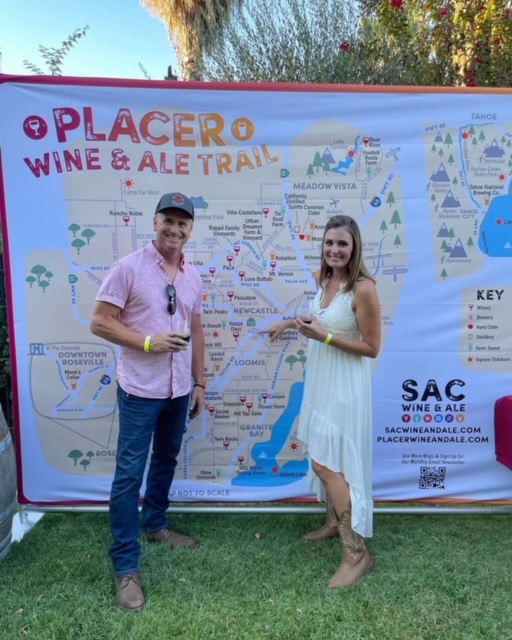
x=445, y=247
x=434, y=148
x=451, y=160
x=444, y=275
x=470, y=243
x=291, y=360
x=302, y=357
x=88, y=234
x=481, y=137
x=433, y=197
x=397, y=242
x=390, y=199
x=78, y=244
x=74, y=228
x=395, y=218
x=38, y=270
x=455, y=181
x=85, y=463
x=383, y=226
x=448, y=140
x=310, y=172
x=75, y=455
x=317, y=162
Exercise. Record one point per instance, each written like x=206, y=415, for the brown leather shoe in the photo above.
x=171, y=538
x=129, y=593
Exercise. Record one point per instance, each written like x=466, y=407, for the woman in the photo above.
x=336, y=413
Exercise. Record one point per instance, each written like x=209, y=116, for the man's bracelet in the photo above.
x=328, y=338
x=147, y=344
x=196, y=384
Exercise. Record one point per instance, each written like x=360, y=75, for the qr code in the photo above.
x=432, y=477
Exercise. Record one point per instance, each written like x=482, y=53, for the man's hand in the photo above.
x=168, y=343
x=196, y=402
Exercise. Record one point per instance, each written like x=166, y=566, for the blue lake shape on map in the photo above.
x=496, y=229
x=348, y=161
x=265, y=454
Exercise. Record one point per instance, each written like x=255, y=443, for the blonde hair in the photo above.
x=356, y=267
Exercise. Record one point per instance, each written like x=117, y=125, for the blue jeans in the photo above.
x=141, y=419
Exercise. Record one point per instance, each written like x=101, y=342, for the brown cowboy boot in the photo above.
x=328, y=530
x=129, y=593
x=357, y=561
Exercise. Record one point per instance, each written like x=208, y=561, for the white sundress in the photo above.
x=336, y=412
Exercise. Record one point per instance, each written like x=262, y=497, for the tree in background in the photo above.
x=194, y=26
x=401, y=42
x=317, y=41
x=54, y=58
x=444, y=42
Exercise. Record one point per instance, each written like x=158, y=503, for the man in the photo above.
x=141, y=306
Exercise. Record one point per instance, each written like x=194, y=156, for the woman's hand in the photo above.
x=314, y=331
x=275, y=330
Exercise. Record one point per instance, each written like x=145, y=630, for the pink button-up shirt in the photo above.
x=138, y=285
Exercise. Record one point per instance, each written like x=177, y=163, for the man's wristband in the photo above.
x=328, y=339
x=147, y=344
x=196, y=384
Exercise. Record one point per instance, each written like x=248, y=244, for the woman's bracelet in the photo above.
x=196, y=384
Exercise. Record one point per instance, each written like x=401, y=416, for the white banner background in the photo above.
x=426, y=174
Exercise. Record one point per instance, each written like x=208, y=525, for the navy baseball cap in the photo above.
x=175, y=201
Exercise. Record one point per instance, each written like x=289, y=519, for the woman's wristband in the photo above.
x=196, y=384
x=328, y=339
x=147, y=344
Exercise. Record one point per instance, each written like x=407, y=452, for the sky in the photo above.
x=121, y=35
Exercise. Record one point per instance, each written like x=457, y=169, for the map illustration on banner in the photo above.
x=432, y=198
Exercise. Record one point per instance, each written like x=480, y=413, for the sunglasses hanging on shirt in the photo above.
x=171, y=305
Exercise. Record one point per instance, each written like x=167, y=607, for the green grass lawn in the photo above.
x=436, y=578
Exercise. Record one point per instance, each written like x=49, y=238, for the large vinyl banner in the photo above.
x=427, y=175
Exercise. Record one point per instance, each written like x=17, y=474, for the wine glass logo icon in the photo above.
x=35, y=127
